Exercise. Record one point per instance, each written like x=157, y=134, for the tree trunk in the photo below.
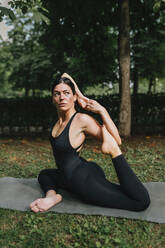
x=120, y=81
x=150, y=86
x=154, y=87
x=136, y=82
x=124, y=63
x=26, y=92
x=120, y=84
x=33, y=90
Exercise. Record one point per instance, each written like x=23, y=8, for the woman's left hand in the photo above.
x=94, y=106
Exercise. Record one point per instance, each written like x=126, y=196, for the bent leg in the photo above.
x=129, y=183
x=50, y=180
x=131, y=190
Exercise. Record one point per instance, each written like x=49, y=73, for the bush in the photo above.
x=148, y=112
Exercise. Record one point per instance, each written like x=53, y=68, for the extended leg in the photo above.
x=130, y=189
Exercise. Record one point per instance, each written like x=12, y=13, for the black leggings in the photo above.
x=89, y=183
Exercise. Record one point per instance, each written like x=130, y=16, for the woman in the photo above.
x=75, y=174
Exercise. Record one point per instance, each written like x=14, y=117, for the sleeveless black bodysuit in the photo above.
x=88, y=181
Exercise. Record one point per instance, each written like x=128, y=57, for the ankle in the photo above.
x=55, y=197
x=116, y=153
x=51, y=193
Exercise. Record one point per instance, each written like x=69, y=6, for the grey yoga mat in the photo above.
x=18, y=193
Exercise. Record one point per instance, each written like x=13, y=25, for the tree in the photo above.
x=6, y=12
x=5, y=56
x=147, y=42
x=124, y=63
x=29, y=60
x=34, y=6
x=81, y=39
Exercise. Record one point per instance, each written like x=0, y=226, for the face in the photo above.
x=63, y=97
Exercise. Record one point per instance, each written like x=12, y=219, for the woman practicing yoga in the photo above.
x=74, y=173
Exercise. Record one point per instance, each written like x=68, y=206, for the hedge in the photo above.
x=148, y=113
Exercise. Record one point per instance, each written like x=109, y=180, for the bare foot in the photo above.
x=43, y=204
x=109, y=145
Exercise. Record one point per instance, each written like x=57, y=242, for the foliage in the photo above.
x=159, y=86
x=147, y=113
x=29, y=62
x=147, y=40
x=34, y=6
x=81, y=39
x=25, y=62
x=6, y=12
x=4, y=57
x=159, y=4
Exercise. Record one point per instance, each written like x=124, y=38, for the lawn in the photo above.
x=25, y=157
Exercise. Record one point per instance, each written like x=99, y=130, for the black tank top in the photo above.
x=67, y=158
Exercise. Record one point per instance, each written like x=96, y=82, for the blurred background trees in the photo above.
x=47, y=38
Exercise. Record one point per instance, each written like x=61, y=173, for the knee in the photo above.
x=42, y=174
x=147, y=202
x=144, y=204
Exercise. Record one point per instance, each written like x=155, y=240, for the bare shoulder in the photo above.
x=89, y=125
x=86, y=121
x=84, y=118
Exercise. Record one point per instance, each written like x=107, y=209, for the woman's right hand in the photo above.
x=82, y=100
x=66, y=75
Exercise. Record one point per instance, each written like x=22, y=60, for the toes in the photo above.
x=42, y=210
x=43, y=204
x=35, y=206
x=34, y=203
x=35, y=209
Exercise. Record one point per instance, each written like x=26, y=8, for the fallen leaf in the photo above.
x=24, y=141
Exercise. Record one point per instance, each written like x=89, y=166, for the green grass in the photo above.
x=25, y=157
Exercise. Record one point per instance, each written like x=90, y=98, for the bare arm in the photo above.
x=95, y=107
x=78, y=92
x=82, y=100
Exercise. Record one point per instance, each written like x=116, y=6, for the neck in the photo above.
x=64, y=116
